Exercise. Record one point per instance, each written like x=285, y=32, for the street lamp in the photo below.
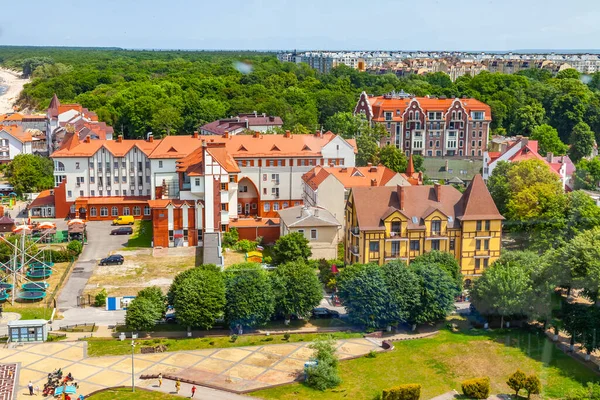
x=132, y=371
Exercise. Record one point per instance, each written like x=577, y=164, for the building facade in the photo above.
x=431, y=127
x=403, y=222
x=252, y=122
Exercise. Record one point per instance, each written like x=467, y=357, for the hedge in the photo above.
x=403, y=392
x=477, y=388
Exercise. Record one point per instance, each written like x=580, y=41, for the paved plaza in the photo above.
x=235, y=369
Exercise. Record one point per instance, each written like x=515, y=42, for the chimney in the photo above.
x=256, y=134
x=203, y=143
x=318, y=134
x=271, y=118
x=401, y=196
x=120, y=139
x=373, y=182
x=287, y=134
x=373, y=169
x=255, y=114
x=226, y=135
x=195, y=135
x=316, y=212
x=151, y=138
x=369, y=165
x=549, y=156
x=438, y=192
x=87, y=139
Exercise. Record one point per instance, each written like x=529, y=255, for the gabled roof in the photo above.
x=17, y=132
x=350, y=176
x=242, y=121
x=307, y=217
x=478, y=202
x=45, y=198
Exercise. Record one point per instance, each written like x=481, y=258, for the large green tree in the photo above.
x=393, y=158
x=198, y=296
x=142, y=314
x=403, y=290
x=436, y=293
x=444, y=260
x=29, y=173
x=581, y=256
x=582, y=142
x=249, y=296
x=548, y=140
x=587, y=174
x=296, y=288
x=291, y=247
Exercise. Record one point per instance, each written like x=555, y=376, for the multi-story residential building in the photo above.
x=519, y=148
x=328, y=186
x=253, y=122
x=167, y=180
x=432, y=127
x=14, y=140
x=387, y=223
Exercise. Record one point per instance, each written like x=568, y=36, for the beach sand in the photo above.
x=15, y=84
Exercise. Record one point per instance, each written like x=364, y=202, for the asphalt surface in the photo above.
x=100, y=244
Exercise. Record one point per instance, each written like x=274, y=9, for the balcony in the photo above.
x=354, y=250
x=186, y=186
x=392, y=255
x=354, y=230
x=59, y=169
x=394, y=235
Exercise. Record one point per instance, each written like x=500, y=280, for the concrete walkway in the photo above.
x=235, y=369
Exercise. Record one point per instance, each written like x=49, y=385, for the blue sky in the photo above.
x=304, y=24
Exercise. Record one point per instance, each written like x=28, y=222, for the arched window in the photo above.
x=93, y=212
x=146, y=210
x=436, y=227
x=410, y=115
x=137, y=211
x=126, y=211
x=453, y=115
x=115, y=212
x=460, y=115
x=417, y=115
x=104, y=211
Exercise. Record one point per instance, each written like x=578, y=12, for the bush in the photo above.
x=230, y=238
x=403, y=392
x=286, y=336
x=476, y=388
x=58, y=256
x=517, y=381
x=266, y=259
x=371, y=354
x=323, y=376
x=100, y=299
x=233, y=338
x=533, y=385
x=75, y=247
x=245, y=245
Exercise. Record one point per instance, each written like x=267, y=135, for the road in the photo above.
x=100, y=244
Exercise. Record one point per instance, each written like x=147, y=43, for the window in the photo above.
x=124, y=192
x=115, y=164
x=478, y=244
x=436, y=227
x=313, y=234
x=435, y=244
x=462, y=134
x=487, y=225
x=126, y=211
x=275, y=192
x=243, y=188
x=301, y=231
x=116, y=179
x=485, y=262
x=197, y=182
x=395, y=227
x=93, y=212
x=264, y=177
x=76, y=165
x=160, y=164
x=374, y=246
x=115, y=212
x=223, y=228
x=223, y=206
x=477, y=263
x=285, y=204
x=92, y=179
x=276, y=206
x=232, y=179
x=266, y=207
x=296, y=203
x=415, y=245
x=92, y=192
x=69, y=193
x=279, y=163
x=254, y=206
x=275, y=177
x=486, y=244
x=170, y=235
x=81, y=193
x=452, y=244
x=104, y=211
x=137, y=211
x=223, y=186
x=146, y=210
x=478, y=226
x=264, y=190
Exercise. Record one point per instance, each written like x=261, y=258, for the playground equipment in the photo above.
x=27, y=265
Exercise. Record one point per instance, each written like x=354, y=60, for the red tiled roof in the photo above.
x=478, y=202
x=45, y=198
x=349, y=177
x=17, y=132
x=252, y=222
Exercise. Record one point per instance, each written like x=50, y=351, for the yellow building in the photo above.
x=387, y=223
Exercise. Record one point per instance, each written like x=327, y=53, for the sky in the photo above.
x=493, y=25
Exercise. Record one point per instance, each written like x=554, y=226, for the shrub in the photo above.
x=532, y=385
x=323, y=376
x=230, y=238
x=245, y=245
x=286, y=336
x=517, y=381
x=266, y=259
x=75, y=247
x=100, y=299
x=403, y=392
x=233, y=338
x=58, y=256
x=371, y=354
x=476, y=388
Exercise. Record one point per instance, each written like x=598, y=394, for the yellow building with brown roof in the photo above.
x=386, y=223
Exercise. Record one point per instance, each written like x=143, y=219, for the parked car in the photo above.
x=111, y=260
x=124, y=230
x=322, y=312
x=124, y=220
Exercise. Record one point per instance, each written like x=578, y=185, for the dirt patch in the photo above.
x=231, y=257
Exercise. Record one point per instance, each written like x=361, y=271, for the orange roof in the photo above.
x=17, y=132
x=478, y=202
x=253, y=222
x=349, y=177
x=222, y=156
x=116, y=148
x=175, y=146
x=45, y=198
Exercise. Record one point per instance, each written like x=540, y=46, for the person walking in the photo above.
x=30, y=386
x=177, y=386
x=159, y=380
x=193, y=391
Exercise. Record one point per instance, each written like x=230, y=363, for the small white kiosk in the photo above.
x=33, y=330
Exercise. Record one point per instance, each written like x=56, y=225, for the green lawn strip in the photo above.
x=141, y=236
x=106, y=347
x=31, y=312
x=127, y=394
x=442, y=362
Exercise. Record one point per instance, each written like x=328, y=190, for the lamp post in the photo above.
x=132, y=371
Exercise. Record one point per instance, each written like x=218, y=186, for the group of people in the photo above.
x=177, y=385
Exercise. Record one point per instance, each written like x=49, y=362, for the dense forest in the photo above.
x=141, y=91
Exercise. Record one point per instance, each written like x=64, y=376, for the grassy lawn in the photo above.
x=33, y=312
x=440, y=363
x=141, y=236
x=126, y=394
x=105, y=347
x=140, y=270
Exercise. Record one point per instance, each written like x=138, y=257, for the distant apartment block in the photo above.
x=429, y=126
x=242, y=123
